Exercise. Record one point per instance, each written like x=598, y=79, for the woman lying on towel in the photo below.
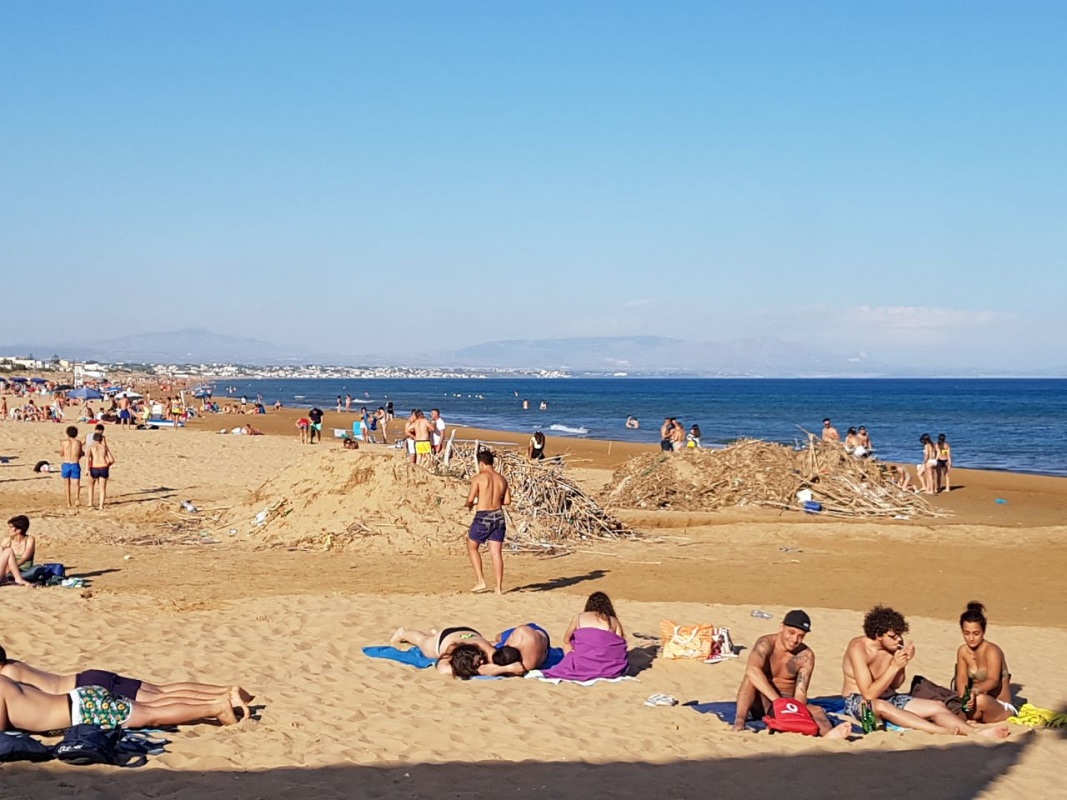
x=595, y=644
x=463, y=652
x=981, y=665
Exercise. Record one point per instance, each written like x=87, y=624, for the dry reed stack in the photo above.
x=757, y=473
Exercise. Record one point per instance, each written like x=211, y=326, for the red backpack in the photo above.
x=790, y=716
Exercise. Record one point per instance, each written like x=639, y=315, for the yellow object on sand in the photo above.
x=1034, y=717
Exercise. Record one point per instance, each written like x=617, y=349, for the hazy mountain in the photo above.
x=190, y=345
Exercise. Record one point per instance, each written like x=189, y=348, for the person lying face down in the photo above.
x=26, y=708
x=461, y=652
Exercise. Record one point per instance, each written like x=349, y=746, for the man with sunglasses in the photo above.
x=874, y=669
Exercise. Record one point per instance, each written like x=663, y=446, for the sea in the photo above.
x=1017, y=425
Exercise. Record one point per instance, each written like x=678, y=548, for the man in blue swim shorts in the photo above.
x=70, y=451
x=490, y=493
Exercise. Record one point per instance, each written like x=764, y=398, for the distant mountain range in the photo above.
x=633, y=355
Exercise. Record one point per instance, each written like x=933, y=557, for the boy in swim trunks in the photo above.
x=490, y=492
x=70, y=451
x=100, y=461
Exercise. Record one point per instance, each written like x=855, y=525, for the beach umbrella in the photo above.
x=38, y=380
x=85, y=393
x=18, y=380
x=202, y=393
x=131, y=395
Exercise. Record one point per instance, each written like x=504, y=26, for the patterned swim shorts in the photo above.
x=95, y=705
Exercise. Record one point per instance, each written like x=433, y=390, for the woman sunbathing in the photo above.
x=595, y=644
x=980, y=664
x=462, y=652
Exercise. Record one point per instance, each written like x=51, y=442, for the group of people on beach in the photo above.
x=932, y=471
x=673, y=436
x=780, y=665
x=593, y=647
x=37, y=701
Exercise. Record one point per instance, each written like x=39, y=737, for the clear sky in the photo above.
x=394, y=177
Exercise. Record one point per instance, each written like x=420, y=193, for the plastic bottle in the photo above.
x=760, y=614
x=188, y=506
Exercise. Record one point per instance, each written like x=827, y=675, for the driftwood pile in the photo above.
x=757, y=473
x=548, y=511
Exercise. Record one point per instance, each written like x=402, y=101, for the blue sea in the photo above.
x=1000, y=424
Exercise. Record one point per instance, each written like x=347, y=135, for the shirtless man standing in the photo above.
x=781, y=665
x=420, y=430
x=829, y=432
x=490, y=491
x=125, y=415
x=100, y=461
x=874, y=667
x=70, y=451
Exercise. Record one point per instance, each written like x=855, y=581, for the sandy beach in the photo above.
x=284, y=608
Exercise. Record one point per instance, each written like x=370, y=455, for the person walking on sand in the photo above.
x=781, y=665
x=70, y=453
x=100, y=461
x=490, y=492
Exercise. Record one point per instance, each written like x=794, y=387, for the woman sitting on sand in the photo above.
x=462, y=652
x=980, y=664
x=595, y=644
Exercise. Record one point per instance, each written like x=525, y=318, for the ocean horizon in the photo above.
x=1010, y=424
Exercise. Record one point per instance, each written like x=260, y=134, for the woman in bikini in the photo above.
x=461, y=652
x=944, y=461
x=981, y=664
x=928, y=466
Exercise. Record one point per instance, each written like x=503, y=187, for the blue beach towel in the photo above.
x=727, y=712
x=412, y=656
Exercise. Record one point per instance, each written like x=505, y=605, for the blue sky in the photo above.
x=402, y=177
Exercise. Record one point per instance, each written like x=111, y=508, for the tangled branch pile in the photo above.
x=548, y=511
x=757, y=473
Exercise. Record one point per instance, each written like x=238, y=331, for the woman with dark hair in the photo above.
x=536, y=450
x=462, y=652
x=982, y=676
x=595, y=644
x=928, y=466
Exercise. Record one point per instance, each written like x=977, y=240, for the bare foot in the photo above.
x=237, y=700
x=397, y=637
x=226, y=715
x=479, y=588
x=842, y=731
x=499, y=590
x=739, y=726
x=996, y=732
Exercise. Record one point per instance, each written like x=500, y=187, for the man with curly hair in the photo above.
x=874, y=668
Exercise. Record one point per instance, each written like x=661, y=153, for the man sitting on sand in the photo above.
x=462, y=652
x=530, y=640
x=874, y=667
x=122, y=686
x=781, y=665
x=26, y=708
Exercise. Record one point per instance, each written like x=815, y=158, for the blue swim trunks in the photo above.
x=488, y=526
x=73, y=471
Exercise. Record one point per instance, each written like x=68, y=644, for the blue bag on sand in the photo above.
x=812, y=507
x=18, y=746
x=89, y=744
